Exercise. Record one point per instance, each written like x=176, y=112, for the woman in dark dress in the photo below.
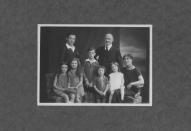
x=133, y=80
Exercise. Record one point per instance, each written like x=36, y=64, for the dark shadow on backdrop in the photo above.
x=135, y=40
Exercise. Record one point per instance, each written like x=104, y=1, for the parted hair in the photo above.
x=129, y=56
x=79, y=68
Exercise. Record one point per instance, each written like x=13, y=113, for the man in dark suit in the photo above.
x=108, y=54
x=69, y=50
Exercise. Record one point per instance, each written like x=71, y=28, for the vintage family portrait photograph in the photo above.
x=94, y=65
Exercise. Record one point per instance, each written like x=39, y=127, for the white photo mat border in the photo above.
x=94, y=104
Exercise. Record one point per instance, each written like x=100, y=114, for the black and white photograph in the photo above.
x=70, y=65
x=94, y=65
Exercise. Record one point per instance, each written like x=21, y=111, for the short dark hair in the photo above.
x=60, y=65
x=67, y=36
x=91, y=48
x=129, y=56
x=63, y=63
x=102, y=67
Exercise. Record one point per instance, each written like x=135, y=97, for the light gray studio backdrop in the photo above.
x=171, y=65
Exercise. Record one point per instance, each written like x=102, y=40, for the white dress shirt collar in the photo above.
x=91, y=61
x=70, y=47
x=109, y=47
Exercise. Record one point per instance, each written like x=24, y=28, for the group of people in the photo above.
x=104, y=77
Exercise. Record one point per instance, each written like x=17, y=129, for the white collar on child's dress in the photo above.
x=116, y=73
x=91, y=61
x=70, y=47
x=130, y=68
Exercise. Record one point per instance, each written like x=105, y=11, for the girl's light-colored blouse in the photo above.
x=116, y=81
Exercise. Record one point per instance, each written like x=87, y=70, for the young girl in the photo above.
x=101, y=85
x=116, y=81
x=75, y=76
x=61, y=85
x=133, y=80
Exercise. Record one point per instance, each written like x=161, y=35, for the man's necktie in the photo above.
x=107, y=49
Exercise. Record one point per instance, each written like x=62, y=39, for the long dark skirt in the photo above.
x=116, y=96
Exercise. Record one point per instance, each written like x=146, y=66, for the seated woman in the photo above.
x=61, y=86
x=133, y=80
